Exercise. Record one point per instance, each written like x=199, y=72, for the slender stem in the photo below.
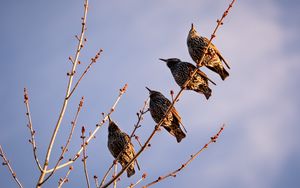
x=65, y=148
x=106, y=174
x=93, y=60
x=173, y=173
x=96, y=181
x=84, y=157
x=32, y=131
x=6, y=163
x=92, y=135
x=173, y=102
x=66, y=100
x=140, y=116
x=115, y=172
x=139, y=181
x=65, y=179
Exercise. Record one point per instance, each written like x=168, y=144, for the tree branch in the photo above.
x=98, y=126
x=65, y=148
x=93, y=60
x=65, y=179
x=84, y=157
x=32, y=131
x=66, y=100
x=173, y=173
x=6, y=163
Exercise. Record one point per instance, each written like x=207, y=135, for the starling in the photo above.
x=159, y=105
x=119, y=141
x=182, y=71
x=213, y=60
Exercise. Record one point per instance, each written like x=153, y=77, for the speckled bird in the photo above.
x=159, y=105
x=119, y=141
x=182, y=71
x=213, y=60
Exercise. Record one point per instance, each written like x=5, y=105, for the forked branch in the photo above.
x=213, y=139
x=92, y=135
x=66, y=100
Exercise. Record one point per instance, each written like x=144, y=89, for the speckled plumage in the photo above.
x=117, y=141
x=181, y=72
x=213, y=60
x=159, y=104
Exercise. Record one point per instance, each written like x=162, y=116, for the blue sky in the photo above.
x=259, y=101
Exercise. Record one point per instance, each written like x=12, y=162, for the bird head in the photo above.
x=171, y=61
x=153, y=93
x=193, y=31
x=112, y=126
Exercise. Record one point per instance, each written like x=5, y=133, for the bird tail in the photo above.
x=206, y=91
x=220, y=70
x=179, y=134
x=130, y=170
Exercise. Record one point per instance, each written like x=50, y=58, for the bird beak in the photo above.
x=148, y=89
x=192, y=27
x=163, y=60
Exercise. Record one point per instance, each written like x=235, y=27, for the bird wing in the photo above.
x=202, y=74
x=177, y=116
x=217, y=52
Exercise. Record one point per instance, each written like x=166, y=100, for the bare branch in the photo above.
x=92, y=135
x=32, y=131
x=66, y=178
x=93, y=60
x=96, y=181
x=172, y=104
x=139, y=181
x=115, y=172
x=140, y=116
x=6, y=163
x=66, y=100
x=65, y=148
x=84, y=157
x=107, y=172
x=173, y=173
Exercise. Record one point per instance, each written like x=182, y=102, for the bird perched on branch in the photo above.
x=119, y=144
x=159, y=105
x=182, y=71
x=212, y=60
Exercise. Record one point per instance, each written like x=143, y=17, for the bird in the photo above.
x=119, y=144
x=158, y=106
x=213, y=60
x=182, y=71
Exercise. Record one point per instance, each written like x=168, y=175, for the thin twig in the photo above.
x=139, y=181
x=92, y=135
x=65, y=179
x=140, y=116
x=84, y=157
x=6, y=163
x=96, y=181
x=32, y=131
x=107, y=172
x=172, y=104
x=66, y=100
x=115, y=172
x=65, y=148
x=93, y=60
x=173, y=173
